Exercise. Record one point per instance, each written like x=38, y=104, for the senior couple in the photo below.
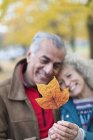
x=21, y=118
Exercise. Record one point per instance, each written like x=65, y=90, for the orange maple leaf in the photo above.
x=52, y=96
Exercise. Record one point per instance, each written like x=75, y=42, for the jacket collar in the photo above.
x=17, y=91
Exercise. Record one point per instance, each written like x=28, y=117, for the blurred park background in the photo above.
x=21, y=19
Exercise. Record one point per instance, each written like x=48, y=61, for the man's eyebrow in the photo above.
x=45, y=57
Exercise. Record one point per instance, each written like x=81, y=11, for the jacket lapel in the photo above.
x=17, y=91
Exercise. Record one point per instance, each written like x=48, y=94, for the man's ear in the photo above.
x=28, y=56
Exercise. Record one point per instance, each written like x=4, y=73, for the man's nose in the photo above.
x=49, y=69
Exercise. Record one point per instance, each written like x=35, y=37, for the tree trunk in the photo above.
x=90, y=31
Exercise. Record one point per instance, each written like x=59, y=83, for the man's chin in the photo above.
x=43, y=80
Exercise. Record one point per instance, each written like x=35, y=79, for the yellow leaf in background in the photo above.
x=53, y=96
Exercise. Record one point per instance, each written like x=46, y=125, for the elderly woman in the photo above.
x=77, y=76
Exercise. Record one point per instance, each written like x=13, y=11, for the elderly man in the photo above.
x=21, y=118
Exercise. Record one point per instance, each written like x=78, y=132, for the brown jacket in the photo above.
x=17, y=117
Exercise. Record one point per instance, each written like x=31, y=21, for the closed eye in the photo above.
x=57, y=65
x=68, y=76
x=44, y=61
x=61, y=83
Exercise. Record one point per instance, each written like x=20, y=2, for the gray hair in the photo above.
x=44, y=35
x=82, y=65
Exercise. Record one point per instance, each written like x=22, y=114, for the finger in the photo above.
x=69, y=127
x=65, y=131
x=53, y=136
x=56, y=136
x=61, y=130
x=68, y=124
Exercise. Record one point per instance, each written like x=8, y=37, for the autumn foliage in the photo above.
x=52, y=96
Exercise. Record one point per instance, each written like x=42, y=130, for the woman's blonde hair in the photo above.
x=82, y=65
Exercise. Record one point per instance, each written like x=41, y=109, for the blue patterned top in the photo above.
x=84, y=108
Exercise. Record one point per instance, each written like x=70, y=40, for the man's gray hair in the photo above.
x=83, y=65
x=58, y=42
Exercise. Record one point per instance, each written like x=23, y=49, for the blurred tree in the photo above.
x=26, y=17
x=72, y=38
x=90, y=31
x=3, y=6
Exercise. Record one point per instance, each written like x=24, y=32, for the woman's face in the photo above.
x=70, y=78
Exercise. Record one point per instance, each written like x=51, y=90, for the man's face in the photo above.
x=45, y=63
